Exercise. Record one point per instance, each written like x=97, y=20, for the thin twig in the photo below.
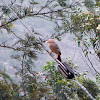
x=92, y=65
x=9, y=47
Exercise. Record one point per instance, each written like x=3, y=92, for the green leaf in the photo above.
x=78, y=43
x=78, y=8
x=48, y=62
x=21, y=1
x=7, y=76
x=62, y=3
x=33, y=3
x=37, y=33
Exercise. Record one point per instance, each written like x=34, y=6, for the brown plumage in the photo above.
x=54, y=48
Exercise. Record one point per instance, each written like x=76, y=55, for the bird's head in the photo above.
x=50, y=41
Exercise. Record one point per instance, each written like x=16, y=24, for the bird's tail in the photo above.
x=59, y=58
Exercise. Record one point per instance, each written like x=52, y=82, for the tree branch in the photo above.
x=32, y=14
x=4, y=46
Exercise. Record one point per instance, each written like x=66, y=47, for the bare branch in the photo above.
x=31, y=15
x=9, y=47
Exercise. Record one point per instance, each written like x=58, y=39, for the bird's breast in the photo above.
x=54, y=48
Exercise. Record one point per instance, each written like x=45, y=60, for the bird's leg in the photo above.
x=56, y=57
x=50, y=52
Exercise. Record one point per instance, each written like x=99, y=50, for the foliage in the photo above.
x=8, y=89
x=54, y=87
x=91, y=87
x=31, y=89
x=65, y=90
x=86, y=24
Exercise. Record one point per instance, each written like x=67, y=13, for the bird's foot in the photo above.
x=50, y=53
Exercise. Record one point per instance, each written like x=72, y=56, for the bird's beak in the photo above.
x=46, y=41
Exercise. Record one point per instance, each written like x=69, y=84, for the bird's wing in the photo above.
x=57, y=47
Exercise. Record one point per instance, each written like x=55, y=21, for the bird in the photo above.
x=54, y=48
